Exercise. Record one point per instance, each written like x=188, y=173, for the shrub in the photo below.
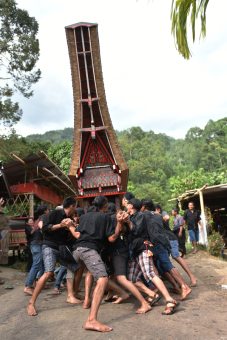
x=215, y=243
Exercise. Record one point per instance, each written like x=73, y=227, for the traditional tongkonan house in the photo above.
x=97, y=165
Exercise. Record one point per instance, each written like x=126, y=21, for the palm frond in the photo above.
x=180, y=12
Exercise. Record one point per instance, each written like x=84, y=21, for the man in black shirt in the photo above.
x=156, y=225
x=142, y=253
x=56, y=231
x=94, y=230
x=192, y=218
x=118, y=253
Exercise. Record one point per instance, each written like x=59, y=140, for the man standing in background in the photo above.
x=192, y=218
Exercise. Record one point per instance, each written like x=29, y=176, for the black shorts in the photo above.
x=119, y=262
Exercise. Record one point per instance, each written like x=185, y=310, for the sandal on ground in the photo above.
x=9, y=287
x=1, y=282
x=171, y=309
x=56, y=291
x=111, y=299
x=153, y=299
x=64, y=287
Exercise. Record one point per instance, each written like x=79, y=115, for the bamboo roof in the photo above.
x=214, y=196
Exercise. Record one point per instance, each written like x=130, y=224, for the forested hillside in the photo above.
x=160, y=166
x=54, y=137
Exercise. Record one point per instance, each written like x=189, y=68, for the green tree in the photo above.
x=61, y=155
x=19, y=53
x=13, y=143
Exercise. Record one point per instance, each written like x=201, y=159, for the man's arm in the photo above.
x=201, y=226
x=166, y=218
x=76, y=234
x=121, y=218
x=181, y=223
x=49, y=226
x=117, y=233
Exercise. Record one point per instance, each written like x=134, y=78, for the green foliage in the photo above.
x=54, y=137
x=61, y=155
x=160, y=166
x=215, y=243
x=181, y=11
x=195, y=180
x=14, y=143
x=19, y=53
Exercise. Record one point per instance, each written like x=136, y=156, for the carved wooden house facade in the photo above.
x=97, y=165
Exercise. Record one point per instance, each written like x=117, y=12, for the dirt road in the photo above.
x=203, y=315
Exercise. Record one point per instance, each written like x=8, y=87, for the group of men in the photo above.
x=130, y=247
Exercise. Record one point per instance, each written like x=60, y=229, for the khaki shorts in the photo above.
x=90, y=259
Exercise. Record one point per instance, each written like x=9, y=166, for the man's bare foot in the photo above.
x=193, y=282
x=121, y=298
x=87, y=303
x=185, y=292
x=31, y=309
x=144, y=309
x=80, y=297
x=0, y=271
x=28, y=290
x=195, y=251
x=73, y=300
x=97, y=326
x=175, y=290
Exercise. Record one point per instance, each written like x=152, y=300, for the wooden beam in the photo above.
x=60, y=180
x=20, y=160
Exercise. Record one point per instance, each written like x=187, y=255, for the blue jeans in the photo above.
x=174, y=249
x=163, y=261
x=194, y=235
x=60, y=276
x=37, y=265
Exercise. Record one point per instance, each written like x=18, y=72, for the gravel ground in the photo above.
x=203, y=315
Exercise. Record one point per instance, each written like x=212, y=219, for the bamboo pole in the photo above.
x=204, y=232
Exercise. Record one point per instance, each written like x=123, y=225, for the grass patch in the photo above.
x=16, y=264
x=189, y=247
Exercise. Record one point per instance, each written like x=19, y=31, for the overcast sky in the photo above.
x=147, y=83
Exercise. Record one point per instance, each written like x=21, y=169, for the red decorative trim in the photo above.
x=113, y=163
x=116, y=193
x=20, y=218
x=43, y=193
x=84, y=154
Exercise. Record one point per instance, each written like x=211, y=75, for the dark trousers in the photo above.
x=30, y=259
x=181, y=240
